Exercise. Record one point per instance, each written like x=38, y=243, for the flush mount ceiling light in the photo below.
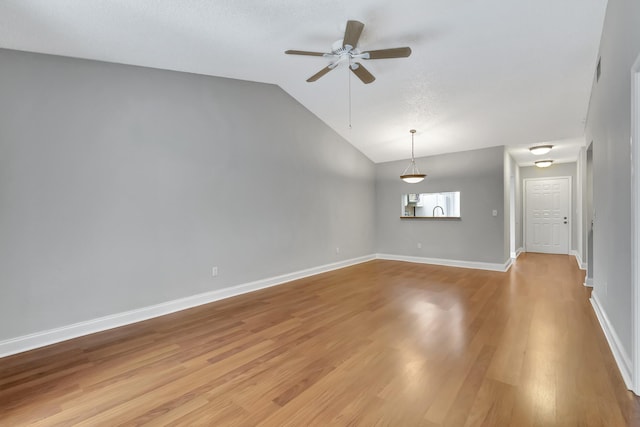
x=411, y=174
x=543, y=163
x=539, y=150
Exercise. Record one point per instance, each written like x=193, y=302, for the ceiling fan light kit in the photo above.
x=543, y=163
x=347, y=51
x=539, y=150
x=411, y=174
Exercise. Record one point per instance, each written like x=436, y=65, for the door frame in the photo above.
x=512, y=217
x=524, y=209
x=635, y=221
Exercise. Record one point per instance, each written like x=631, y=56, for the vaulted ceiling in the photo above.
x=482, y=73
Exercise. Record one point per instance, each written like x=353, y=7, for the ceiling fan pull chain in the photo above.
x=349, y=77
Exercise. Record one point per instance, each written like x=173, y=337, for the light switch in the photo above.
x=495, y=212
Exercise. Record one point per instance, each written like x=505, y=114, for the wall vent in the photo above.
x=598, y=70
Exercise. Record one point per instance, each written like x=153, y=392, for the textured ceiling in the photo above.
x=482, y=73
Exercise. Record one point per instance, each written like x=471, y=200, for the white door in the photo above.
x=547, y=208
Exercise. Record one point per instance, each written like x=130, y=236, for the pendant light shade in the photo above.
x=411, y=174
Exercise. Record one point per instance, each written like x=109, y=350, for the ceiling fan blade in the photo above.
x=398, y=52
x=319, y=74
x=362, y=73
x=303, y=52
x=352, y=33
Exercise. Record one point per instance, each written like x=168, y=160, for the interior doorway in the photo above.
x=547, y=215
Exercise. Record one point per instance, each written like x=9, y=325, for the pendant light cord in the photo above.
x=412, y=156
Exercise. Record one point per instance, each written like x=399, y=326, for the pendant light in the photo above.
x=411, y=174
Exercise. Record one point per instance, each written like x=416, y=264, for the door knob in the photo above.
x=566, y=222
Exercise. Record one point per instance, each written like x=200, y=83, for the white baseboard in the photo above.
x=588, y=282
x=516, y=254
x=449, y=262
x=52, y=336
x=581, y=265
x=507, y=265
x=622, y=358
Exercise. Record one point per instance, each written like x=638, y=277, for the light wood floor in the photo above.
x=380, y=343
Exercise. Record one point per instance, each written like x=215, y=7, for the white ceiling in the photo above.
x=482, y=73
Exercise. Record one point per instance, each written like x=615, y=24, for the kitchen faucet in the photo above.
x=433, y=213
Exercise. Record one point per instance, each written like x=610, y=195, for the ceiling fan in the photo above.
x=346, y=50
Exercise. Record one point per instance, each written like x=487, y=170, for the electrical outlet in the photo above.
x=214, y=271
x=337, y=250
x=419, y=245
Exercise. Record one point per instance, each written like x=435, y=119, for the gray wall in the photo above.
x=555, y=170
x=608, y=126
x=121, y=187
x=478, y=236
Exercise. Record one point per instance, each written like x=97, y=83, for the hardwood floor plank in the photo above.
x=466, y=396
x=493, y=404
